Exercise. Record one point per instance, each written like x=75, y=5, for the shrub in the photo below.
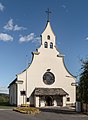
x=24, y=105
x=27, y=110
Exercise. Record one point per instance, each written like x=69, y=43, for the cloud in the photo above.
x=10, y=26
x=17, y=28
x=3, y=89
x=31, y=37
x=37, y=40
x=5, y=37
x=64, y=7
x=27, y=38
x=86, y=38
x=1, y=7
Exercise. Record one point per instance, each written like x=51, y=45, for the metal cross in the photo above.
x=48, y=14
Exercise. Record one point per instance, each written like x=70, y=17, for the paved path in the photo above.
x=46, y=114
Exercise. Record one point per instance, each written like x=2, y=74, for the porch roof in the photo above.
x=50, y=91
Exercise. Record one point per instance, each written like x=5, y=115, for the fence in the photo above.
x=82, y=107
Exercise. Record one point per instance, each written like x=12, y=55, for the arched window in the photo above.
x=48, y=37
x=51, y=45
x=46, y=45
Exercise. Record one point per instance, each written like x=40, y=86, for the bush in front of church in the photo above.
x=27, y=110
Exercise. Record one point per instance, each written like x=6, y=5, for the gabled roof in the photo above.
x=13, y=82
x=50, y=91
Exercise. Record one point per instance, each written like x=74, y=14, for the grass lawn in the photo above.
x=6, y=107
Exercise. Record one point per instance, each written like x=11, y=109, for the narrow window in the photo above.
x=23, y=93
x=68, y=99
x=46, y=45
x=48, y=37
x=51, y=45
x=27, y=99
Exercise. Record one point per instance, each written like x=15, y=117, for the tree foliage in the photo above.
x=83, y=84
x=4, y=98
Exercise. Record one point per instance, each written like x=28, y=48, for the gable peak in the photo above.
x=48, y=29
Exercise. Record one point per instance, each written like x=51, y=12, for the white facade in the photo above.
x=47, y=70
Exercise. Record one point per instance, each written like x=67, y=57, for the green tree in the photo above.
x=83, y=84
x=4, y=99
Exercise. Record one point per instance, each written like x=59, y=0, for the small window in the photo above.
x=68, y=99
x=23, y=92
x=48, y=37
x=46, y=45
x=51, y=45
x=27, y=99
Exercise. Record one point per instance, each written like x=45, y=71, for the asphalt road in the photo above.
x=46, y=114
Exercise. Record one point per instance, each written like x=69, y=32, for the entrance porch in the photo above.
x=50, y=97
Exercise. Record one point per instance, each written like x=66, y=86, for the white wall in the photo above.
x=47, y=59
x=13, y=94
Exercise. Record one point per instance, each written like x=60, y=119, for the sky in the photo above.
x=23, y=21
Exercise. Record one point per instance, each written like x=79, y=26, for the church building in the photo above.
x=46, y=81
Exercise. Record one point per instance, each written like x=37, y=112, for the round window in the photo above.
x=48, y=78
